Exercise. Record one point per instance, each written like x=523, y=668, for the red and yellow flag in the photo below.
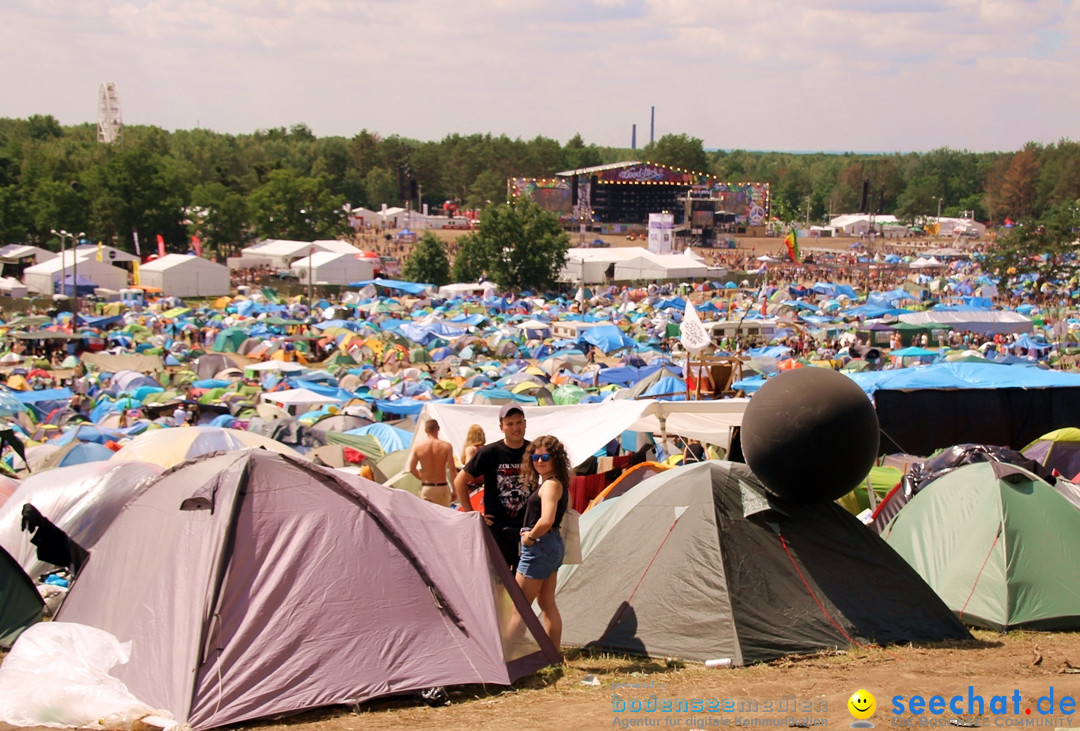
x=792, y=243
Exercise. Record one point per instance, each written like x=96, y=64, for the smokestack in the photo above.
x=652, y=125
x=633, y=137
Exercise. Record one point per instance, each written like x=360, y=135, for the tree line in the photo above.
x=231, y=190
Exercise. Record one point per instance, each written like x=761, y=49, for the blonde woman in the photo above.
x=474, y=439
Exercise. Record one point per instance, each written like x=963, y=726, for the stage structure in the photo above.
x=661, y=233
x=619, y=197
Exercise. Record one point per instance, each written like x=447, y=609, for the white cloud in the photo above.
x=819, y=74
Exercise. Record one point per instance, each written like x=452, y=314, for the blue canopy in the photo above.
x=960, y=375
x=71, y=284
x=408, y=287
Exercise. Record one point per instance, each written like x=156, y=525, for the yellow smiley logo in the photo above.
x=862, y=704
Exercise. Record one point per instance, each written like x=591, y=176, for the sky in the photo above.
x=800, y=75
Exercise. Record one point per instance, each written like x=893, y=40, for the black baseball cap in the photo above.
x=510, y=408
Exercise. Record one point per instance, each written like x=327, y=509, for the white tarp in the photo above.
x=977, y=321
x=586, y=428
x=298, y=397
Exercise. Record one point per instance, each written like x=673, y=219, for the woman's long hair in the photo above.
x=559, y=462
x=475, y=436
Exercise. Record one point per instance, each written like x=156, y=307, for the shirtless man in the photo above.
x=432, y=462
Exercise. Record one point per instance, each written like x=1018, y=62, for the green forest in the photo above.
x=288, y=183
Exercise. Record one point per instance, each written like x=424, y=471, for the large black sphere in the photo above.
x=810, y=435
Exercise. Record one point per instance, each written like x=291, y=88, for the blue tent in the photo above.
x=391, y=439
x=608, y=338
x=72, y=284
x=667, y=388
x=84, y=452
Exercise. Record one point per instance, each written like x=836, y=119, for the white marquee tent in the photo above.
x=12, y=253
x=630, y=264
x=281, y=253
x=41, y=277
x=180, y=275
x=331, y=267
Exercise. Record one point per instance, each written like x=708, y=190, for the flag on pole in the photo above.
x=160, y=245
x=135, y=273
x=792, y=243
x=135, y=235
x=692, y=333
x=99, y=258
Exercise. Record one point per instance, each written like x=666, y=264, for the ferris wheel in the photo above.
x=110, y=122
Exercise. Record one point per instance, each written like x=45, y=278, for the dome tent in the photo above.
x=421, y=609
x=700, y=562
x=20, y=603
x=995, y=542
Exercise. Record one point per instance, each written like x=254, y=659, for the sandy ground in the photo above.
x=758, y=244
x=812, y=690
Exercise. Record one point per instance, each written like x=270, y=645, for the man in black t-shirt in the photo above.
x=499, y=463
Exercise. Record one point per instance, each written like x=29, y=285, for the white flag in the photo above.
x=692, y=333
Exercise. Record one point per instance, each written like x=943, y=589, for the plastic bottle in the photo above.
x=723, y=662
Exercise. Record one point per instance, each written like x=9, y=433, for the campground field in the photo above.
x=810, y=690
x=992, y=663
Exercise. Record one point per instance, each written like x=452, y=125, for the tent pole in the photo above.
x=663, y=432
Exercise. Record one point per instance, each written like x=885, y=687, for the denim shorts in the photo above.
x=542, y=558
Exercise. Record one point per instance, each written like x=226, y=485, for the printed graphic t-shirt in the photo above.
x=504, y=494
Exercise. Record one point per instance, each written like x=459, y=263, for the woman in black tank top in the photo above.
x=546, y=473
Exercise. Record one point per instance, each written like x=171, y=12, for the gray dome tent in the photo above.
x=699, y=562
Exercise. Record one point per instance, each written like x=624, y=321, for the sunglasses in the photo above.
x=541, y=458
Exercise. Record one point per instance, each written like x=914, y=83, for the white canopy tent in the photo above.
x=41, y=277
x=333, y=267
x=11, y=287
x=298, y=400
x=109, y=254
x=857, y=224
x=984, y=322
x=590, y=266
x=281, y=253
x=458, y=289
x=12, y=253
x=180, y=275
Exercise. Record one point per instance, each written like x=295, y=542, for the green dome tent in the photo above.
x=229, y=340
x=20, y=604
x=997, y=544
